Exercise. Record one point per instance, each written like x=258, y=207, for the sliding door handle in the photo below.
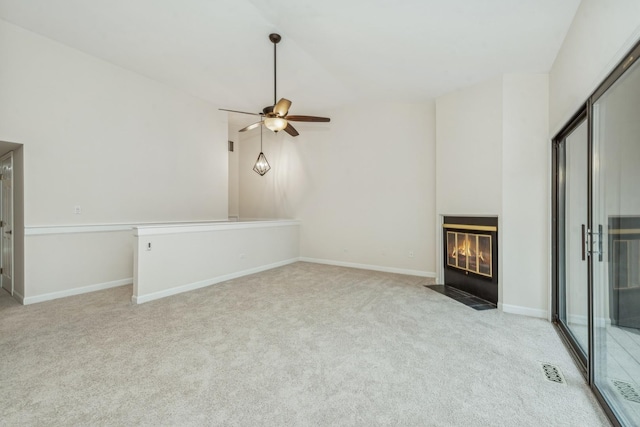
x=584, y=242
x=591, y=240
x=600, y=242
x=596, y=244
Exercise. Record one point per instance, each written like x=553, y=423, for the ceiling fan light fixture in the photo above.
x=275, y=124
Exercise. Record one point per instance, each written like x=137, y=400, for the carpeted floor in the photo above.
x=299, y=345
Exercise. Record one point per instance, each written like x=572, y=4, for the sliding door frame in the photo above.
x=585, y=112
x=558, y=192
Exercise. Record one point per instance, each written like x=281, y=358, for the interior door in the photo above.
x=6, y=171
x=573, y=192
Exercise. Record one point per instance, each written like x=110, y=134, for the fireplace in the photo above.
x=471, y=255
x=624, y=270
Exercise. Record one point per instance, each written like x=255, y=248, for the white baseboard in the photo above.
x=581, y=320
x=370, y=267
x=76, y=291
x=208, y=282
x=524, y=311
x=578, y=319
x=18, y=296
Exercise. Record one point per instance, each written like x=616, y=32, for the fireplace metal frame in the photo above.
x=477, y=236
x=478, y=284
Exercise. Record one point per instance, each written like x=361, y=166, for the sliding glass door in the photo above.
x=616, y=263
x=574, y=277
x=597, y=240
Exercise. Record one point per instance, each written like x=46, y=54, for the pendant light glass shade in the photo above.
x=262, y=165
x=275, y=123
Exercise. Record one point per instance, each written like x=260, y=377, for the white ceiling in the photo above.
x=332, y=52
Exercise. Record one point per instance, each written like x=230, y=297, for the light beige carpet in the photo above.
x=299, y=345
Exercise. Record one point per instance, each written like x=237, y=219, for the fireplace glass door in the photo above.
x=470, y=252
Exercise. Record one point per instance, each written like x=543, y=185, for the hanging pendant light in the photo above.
x=262, y=165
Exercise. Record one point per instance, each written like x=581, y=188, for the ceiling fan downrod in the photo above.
x=275, y=39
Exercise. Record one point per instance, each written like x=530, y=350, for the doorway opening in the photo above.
x=12, y=220
x=6, y=223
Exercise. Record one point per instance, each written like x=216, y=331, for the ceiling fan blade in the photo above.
x=308, y=119
x=282, y=107
x=241, y=112
x=251, y=126
x=291, y=130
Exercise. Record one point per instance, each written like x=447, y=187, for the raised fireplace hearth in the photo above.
x=471, y=255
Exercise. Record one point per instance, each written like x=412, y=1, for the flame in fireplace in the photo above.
x=464, y=249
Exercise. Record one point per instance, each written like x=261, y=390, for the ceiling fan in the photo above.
x=276, y=117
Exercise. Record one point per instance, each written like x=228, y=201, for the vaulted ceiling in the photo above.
x=333, y=51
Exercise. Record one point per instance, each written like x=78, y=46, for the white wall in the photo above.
x=469, y=150
x=270, y=196
x=492, y=160
x=525, y=198
x=123, y=147
x=362, y=185
x=600, y=34
x=180, y=258
x=60, y=265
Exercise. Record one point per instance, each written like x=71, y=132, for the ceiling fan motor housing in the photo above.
x=268, y=110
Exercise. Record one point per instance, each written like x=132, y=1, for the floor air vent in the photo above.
x=626, y=390
x=552, y=373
